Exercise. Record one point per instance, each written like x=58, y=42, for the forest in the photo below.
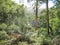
x=19, y=26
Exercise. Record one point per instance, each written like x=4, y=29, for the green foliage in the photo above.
x=13, y=19
x=3, y=26
x=3, y=35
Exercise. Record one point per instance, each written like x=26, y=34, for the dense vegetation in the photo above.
x=15, y=22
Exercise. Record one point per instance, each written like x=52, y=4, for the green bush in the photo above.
x=3, y=35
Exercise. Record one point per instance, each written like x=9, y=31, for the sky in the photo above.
x=51, y=3
x=29, y=7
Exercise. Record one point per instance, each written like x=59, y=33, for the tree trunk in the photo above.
x=47, y=15
x=36, y=14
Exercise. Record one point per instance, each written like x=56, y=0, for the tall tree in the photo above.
x=47, y=15
x=36, y=14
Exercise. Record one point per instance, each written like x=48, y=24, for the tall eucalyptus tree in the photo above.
x=36, y=14
x=47, y=16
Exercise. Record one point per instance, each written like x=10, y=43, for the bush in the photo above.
x=3, y=35
x=3, y=26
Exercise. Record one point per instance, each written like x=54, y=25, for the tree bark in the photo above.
x=36, y=14
x=47, y=15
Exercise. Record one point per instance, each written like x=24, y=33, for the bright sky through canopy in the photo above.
x=30, y=4
x=50, y=5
